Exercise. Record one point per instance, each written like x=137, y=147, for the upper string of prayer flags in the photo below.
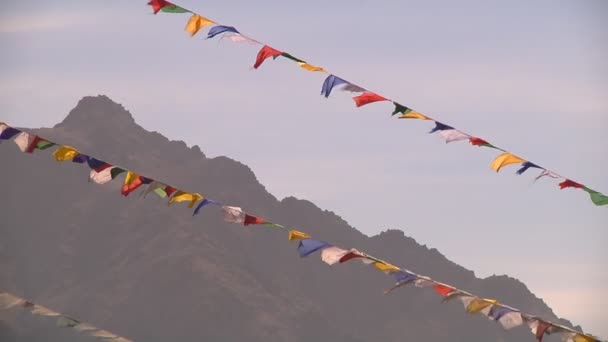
x=103, y=172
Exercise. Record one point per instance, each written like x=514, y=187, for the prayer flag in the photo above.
x=197, y=22
x=367, y=98
x=505, y=159
x=399, y=108
x=310, y=67
x=539, y=328
x=596, y=197
x=479, y=305
x=330, y=82
x=453, y=135
x=443, y=290
x=203, y=203
x=385, y=267
x=65, y=153
x=264, y=53
x=547, y=173
x=507, y=317
x=27, y=143
x=157, y=5
x=401, y=278
x=480, y=142
x=288, y=56
x=233, y=214
x=105, y=173
x=7, y=132
x=182, y=196
x=297, y=235
x=250, y=219
x=80, y=158
x=525, y=166
x=569, y=184
x=132, y=182
x=171, y=8
x=352, y=254
x=308, y=246
x=440, y=127
x=238, y=38
x=332, y=255
x=414, y=115
x=219, y=29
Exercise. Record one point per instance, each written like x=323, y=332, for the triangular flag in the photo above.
x=479, y=305
x=443, y=290
x=197, y=22
x=250, y=219
x=570, y=184
x=440, y=127
x=104, y=174
x=367, y=98
x=171, y=8
x=310, y=67
x=288, y=56
x=505, y=159
x=384, y=267
x=182, y=196
x=132, y=182
x=65, y=153
x=233, y=214
x=203, y=203
x=308, y=246
x=480, y=142
x=399, y=108
x=352, y=254
x=219, y=29
x=238, y=38
x=507, y=317
x=414, y=115
x=401, y=278
x=80, y=158
x=332, y=255
x=453, y=135
x=547, y=173
x=525, y=166
x=539, y=328
x=7, y=132
x=330, y=82
x=596, y=197
x=297, y=235
x=157, y=5
x=264, y=53
x=43, y=311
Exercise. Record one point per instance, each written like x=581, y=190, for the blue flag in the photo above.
x=308, y=246
x=8, y=133
x=330, y=82
x=440, y=127
x=203, y=203
x=525, y=166
x=219, y=29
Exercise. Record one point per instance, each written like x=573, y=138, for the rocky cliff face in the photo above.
x=155, y=273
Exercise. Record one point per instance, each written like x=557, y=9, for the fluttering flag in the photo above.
x=480, y=142
x=196, y=23
x=453, y=135
x=401, y=278
x=539, y=328
x=367, y=98
x=183, y=196
x=219, y=29
x=80, y=158
x=250, y=219
x=453, y=295
x=238, y=38
x=596, y=197
x=525, y=166
x=414, y=115
x=8, y=301
x=28, y=143
x=385, y=267
x=507, y=317
x=443, y=290
x=160, y=189
x=570, y=184
x=203, y=203
x=352, y=254
x=233, y=214
x=102, y=172
x=297, y=235
x=479, y=305
x=440, y=127
x=132, y=182
x=310, y=67
x=330, y=82
x=264, y=53
x=332, y=255
x=64, y=153
x=7, y=132
x=171, y=8
x=547, y=173
x=505, y=159
x=308, y=246
x=574, y=337
x=293, y=58
x=157, y=5
x=399, y=108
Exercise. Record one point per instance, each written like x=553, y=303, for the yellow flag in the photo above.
x=196, y=23
x=182, y=196
x=478, y=304
x=504, y=160
x=414, y=115
x=297, y=235
x=131, y=177
x=385, y=267
x=581, y=338
x=311, y=67
x=65, y=153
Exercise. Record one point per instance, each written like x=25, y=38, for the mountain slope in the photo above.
x=154, y=273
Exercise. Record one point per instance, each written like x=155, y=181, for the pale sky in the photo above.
x=531, y=77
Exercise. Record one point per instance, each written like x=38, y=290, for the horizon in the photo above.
x=468, y=73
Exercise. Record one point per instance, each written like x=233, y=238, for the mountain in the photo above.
x=151, y=272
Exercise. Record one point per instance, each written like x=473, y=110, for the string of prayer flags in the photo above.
x=65, y=153
x=196, y=23
x=266, y=52
x=103, y=172
x=308, y=246
x=505, y=159
x=297, y=235
x=183, y=196
x=219, y=29
x=367, y=98
x=10, y=301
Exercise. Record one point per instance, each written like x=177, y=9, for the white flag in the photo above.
x=511, y=320
x=24, y=140
x=453, y=135
x=332, y=255
x=233, y=214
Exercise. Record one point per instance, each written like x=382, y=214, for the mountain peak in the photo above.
x=97, y=110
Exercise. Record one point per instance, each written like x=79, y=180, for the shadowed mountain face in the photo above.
x=154, y=273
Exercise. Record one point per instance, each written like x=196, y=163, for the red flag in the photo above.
x=443, y=290
x=127, y=189
x=265, y=52
x=478, y=142
x=366, y=98
x=541, y=329
x=170, y=190
x=569, y=184
x=34, y=143
x=157, y=5
x=250, y=219
x=349, y=256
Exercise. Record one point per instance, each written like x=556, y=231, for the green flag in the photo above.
x=596, y=197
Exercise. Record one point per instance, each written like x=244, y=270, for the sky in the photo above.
x=530, y=77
